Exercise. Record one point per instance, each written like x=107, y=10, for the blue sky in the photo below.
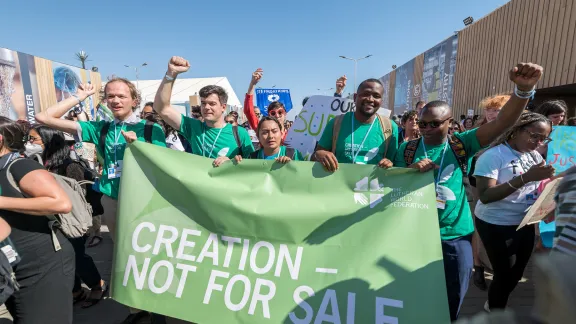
x=297, y=43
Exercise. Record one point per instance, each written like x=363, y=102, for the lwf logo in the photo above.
x=368, y=193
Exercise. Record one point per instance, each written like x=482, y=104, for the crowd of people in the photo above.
x=487, y=171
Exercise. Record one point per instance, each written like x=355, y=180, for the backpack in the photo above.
x=385, y=126
x=290, y=152
x=237, y=139
x=93, y=197
x=73, y=224
x=456, y=145
x=8, y=283
x=148, y=127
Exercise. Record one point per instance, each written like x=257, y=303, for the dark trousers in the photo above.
x=86, y=270
x=458, y=263
x=509, y=252
x=45, y=277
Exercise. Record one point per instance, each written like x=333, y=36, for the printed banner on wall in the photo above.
x=386, y=98
x=439, y=70
x=265, y=97
x=27, y=87
x=403, y=90
x=312, y=119
x=200, y=244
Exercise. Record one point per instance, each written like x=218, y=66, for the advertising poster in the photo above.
x=439, y=69
x=386, y=98
x=29, y=84
x=403, y=91
x=18, y=86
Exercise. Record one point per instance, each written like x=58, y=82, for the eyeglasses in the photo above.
x=538, y=138
x=32, y=139
x=277, y=112
x=433, y=124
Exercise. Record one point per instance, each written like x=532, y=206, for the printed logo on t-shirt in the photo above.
x=372, y=153
x=223, y=152
x=443, y=191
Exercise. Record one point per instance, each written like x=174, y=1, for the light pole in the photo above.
x=324, y=91
x=355, y=65
x=136, y=70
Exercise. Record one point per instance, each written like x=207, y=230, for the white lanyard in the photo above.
x=354, y=156
x=441, y=161
x=204, y=139
x=277, y=156
x=116, y=139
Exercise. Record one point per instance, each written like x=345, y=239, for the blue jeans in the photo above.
x=458, y=263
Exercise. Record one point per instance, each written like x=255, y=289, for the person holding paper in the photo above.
x=507, y=178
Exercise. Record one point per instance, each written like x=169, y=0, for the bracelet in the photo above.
x=524, y=94
x=521, y=178
x=511, y=186
x=168, y=78
x=75, y=96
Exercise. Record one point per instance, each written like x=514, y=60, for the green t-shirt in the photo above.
x=297, y=155
x=372, y=150
x=91, y=133
x=456, y=219
x=216, y=141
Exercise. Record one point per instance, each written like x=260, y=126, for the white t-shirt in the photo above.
x=503, y=164
x=173, y=142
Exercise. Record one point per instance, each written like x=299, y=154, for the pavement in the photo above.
x=109, y=311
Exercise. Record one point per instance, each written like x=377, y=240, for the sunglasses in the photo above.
x=538, y=138
x=277, y=113
x=433, y=124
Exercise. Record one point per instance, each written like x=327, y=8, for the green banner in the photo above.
x=261, y=242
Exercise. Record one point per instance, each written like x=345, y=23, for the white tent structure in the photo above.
x=184, y=88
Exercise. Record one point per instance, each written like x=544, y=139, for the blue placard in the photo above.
x=561, y=152
x=265, y=97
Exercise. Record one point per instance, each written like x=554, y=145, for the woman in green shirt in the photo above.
x=270, y=137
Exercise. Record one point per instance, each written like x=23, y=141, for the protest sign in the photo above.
x=265, y=97
x=312, y=119
x=562, y=149
x=560, y=155
x=543, y=207
x=259, y=242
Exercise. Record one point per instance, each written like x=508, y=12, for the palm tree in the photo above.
x=83, y=58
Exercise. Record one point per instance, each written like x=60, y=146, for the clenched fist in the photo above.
x=526, y=75
x=256, y=76
x=341, y=84
x=178, y=65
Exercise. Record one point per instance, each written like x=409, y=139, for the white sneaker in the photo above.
x=486, y=307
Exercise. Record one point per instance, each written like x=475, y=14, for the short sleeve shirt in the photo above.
x=215, y=142
x=456, y=218
x=296, y=157
x=503, y=164
x=365, y=144
x=115, y=146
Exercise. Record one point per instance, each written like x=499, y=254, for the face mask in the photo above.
x=32, y=149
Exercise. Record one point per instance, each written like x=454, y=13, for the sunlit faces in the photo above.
x=557, y=119
x=369, y=98
x=529, y=138
x=491, y=113
x=119, y=99
x=270, y=134
x=211, y=108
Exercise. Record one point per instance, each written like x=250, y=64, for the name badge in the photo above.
x=440, y=201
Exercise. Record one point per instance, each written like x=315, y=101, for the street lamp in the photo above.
x=355, y=65
x=136, y=70
x=324, y=91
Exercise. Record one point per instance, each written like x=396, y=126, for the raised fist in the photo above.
x=178, y=65
x=341, y=84
x=526, y=75
x=257, y=75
